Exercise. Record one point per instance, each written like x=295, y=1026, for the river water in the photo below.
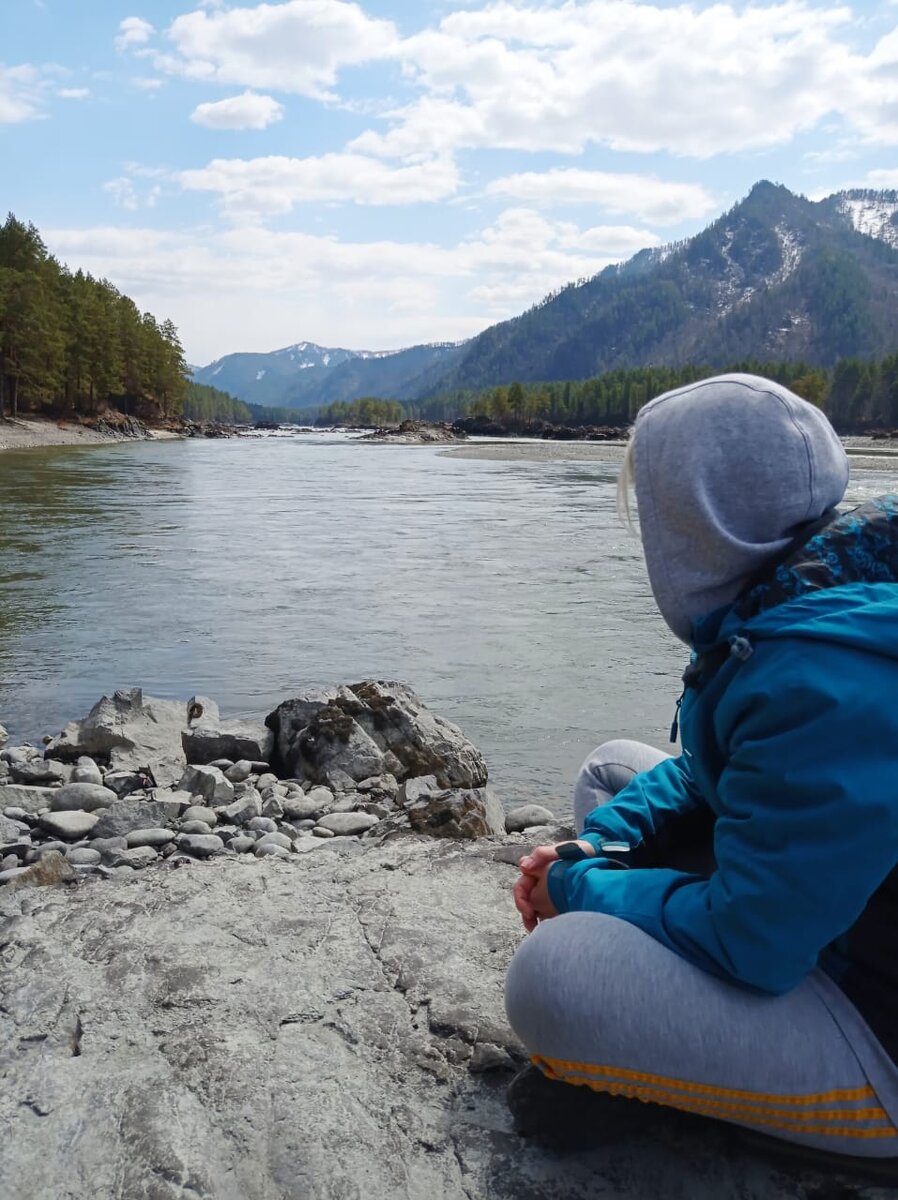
x=508, y=594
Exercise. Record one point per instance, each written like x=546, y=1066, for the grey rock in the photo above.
x=4, y=736
x=347, y=824
x=319, y=831
x=30, y=799
x=379, y=783
x=208, y=782
x=20, y=754
x=10, y=831
x=9, y=862
x=526, y=816
x=243, y=809
x=175, y=801
x=195, y=827
x=149, y=837
x=233, y=739
x=264, y=823
x=201, y=845
x=273, y=807
x=40, y=772
x=371, y=729
x=86, y=771
x=50, y=869
x=462, y=813
x=125, y=816
x=322, y=796
x=136, y=857
x=85, y=796
x=239, y=772
x=69, y=826
x=270, y=850
x=16, y=814
x=48, y=847
x=298, y=808
x=275, y=839
x=266, y=780
x=197, y=813
x=10, y=873
x=109, y=844
x=83, y=856
x=242, y=845
x=127, y=783
x=134, y=732
x=414, y=789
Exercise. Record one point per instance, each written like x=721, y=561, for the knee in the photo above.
x=612, y=762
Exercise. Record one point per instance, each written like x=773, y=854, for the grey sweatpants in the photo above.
x=600, y=1003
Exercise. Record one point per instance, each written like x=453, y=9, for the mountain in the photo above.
x=306, y=375
x=777, y=277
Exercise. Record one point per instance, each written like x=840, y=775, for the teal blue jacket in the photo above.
x=790, y=738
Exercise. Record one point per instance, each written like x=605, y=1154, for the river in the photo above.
x=508, y=594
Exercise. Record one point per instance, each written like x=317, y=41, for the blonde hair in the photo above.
x=625, y=481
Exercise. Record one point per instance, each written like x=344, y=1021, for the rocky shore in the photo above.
x=31, y=433
x=265, y=961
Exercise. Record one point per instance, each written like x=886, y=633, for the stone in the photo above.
x=108, y=845
x=208, y=782
x=16, y=814
x=201, y=845
x=462, y=813
x=301, y=808
x=69, y=825
x=195, y=827
x=379, y=783
x=176, y=801
x=86, y=771
x=233, y=739
x=20, y=754
x=239, y=772
x=243, y=809
x=50, y=869
x=526, y=816
x=347, y=824
x=134, y=732
x=266, y=780
x=242, y=845
x=9, y=862
x=319, y=831
x=4, y=736
x=149, y=837
x=85, y=796
x=370, y=729
x=125, y=816
x=39, y=772
x=126, y=783
x=273, y=807
x=136, y=857
x=271, y=850
x=275, y=839
x=10, y=831
x=265, y=824
x=198, y=813
x=414, y=789
x=30, y=799
x=83, y=856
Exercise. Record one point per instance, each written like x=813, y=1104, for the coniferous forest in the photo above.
x=74, y=345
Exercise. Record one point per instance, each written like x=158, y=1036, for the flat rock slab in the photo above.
x=318, y=1029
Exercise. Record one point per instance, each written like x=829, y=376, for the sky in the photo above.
x=374, y=175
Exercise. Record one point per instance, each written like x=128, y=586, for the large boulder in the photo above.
x=31, y=799
x=236, y=740
x=307, y=1030
x=370, y=729
x=133, y=732
x=40, y=772
x=86, y=796
x=124, y=816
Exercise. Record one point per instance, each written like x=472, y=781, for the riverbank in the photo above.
x=32, y=433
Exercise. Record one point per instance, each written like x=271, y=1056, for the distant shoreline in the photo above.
x=35, y=433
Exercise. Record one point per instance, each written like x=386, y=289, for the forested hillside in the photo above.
x=202, y=403
x=71, y=344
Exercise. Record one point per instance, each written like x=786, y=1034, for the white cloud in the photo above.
x=263, y=288
x=73, y=93
x=275, y=184
x=21, y=94
x=296, y=47
x=885, y=179
x=689, y=80
x=133, y=31
x=249, y=111
x=126, y=194
x=641, y=196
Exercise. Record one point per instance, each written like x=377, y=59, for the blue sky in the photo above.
x=372, y=175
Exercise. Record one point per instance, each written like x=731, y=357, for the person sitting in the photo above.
x=722, y=938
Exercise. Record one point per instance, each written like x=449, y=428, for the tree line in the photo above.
x=74, y=345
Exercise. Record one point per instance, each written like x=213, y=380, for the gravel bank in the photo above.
x=33, y=433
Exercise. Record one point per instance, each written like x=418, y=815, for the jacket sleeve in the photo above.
x=642, y=812
x=808, y=826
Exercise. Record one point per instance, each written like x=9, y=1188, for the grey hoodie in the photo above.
x=727, y=471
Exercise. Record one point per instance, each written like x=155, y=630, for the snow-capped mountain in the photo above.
x=870, y=212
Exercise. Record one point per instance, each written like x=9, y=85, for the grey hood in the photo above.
x=727, y=471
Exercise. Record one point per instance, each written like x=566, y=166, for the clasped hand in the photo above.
x=531, y=891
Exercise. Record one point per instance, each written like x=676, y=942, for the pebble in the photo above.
x=249, y=805
x=301, y=808
x=12, y=873
x=201, y=845
x=242, y=845
x=273, y=807
x=526, y=816
x=9, y=863
x=347, y=824
x=140, y=856
x=107, y=845
x=87, y=771
x=81, y=856
x=223, y=764
x=269, y=850
x=263, y=823
x=275, y=839
x=240, y=771
x=196, y=827
x=149, y=837
x=197, y=813
x=320, y=832
x=266, y=780
x=309, y=824
x=16, y=814
x=70, y=825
